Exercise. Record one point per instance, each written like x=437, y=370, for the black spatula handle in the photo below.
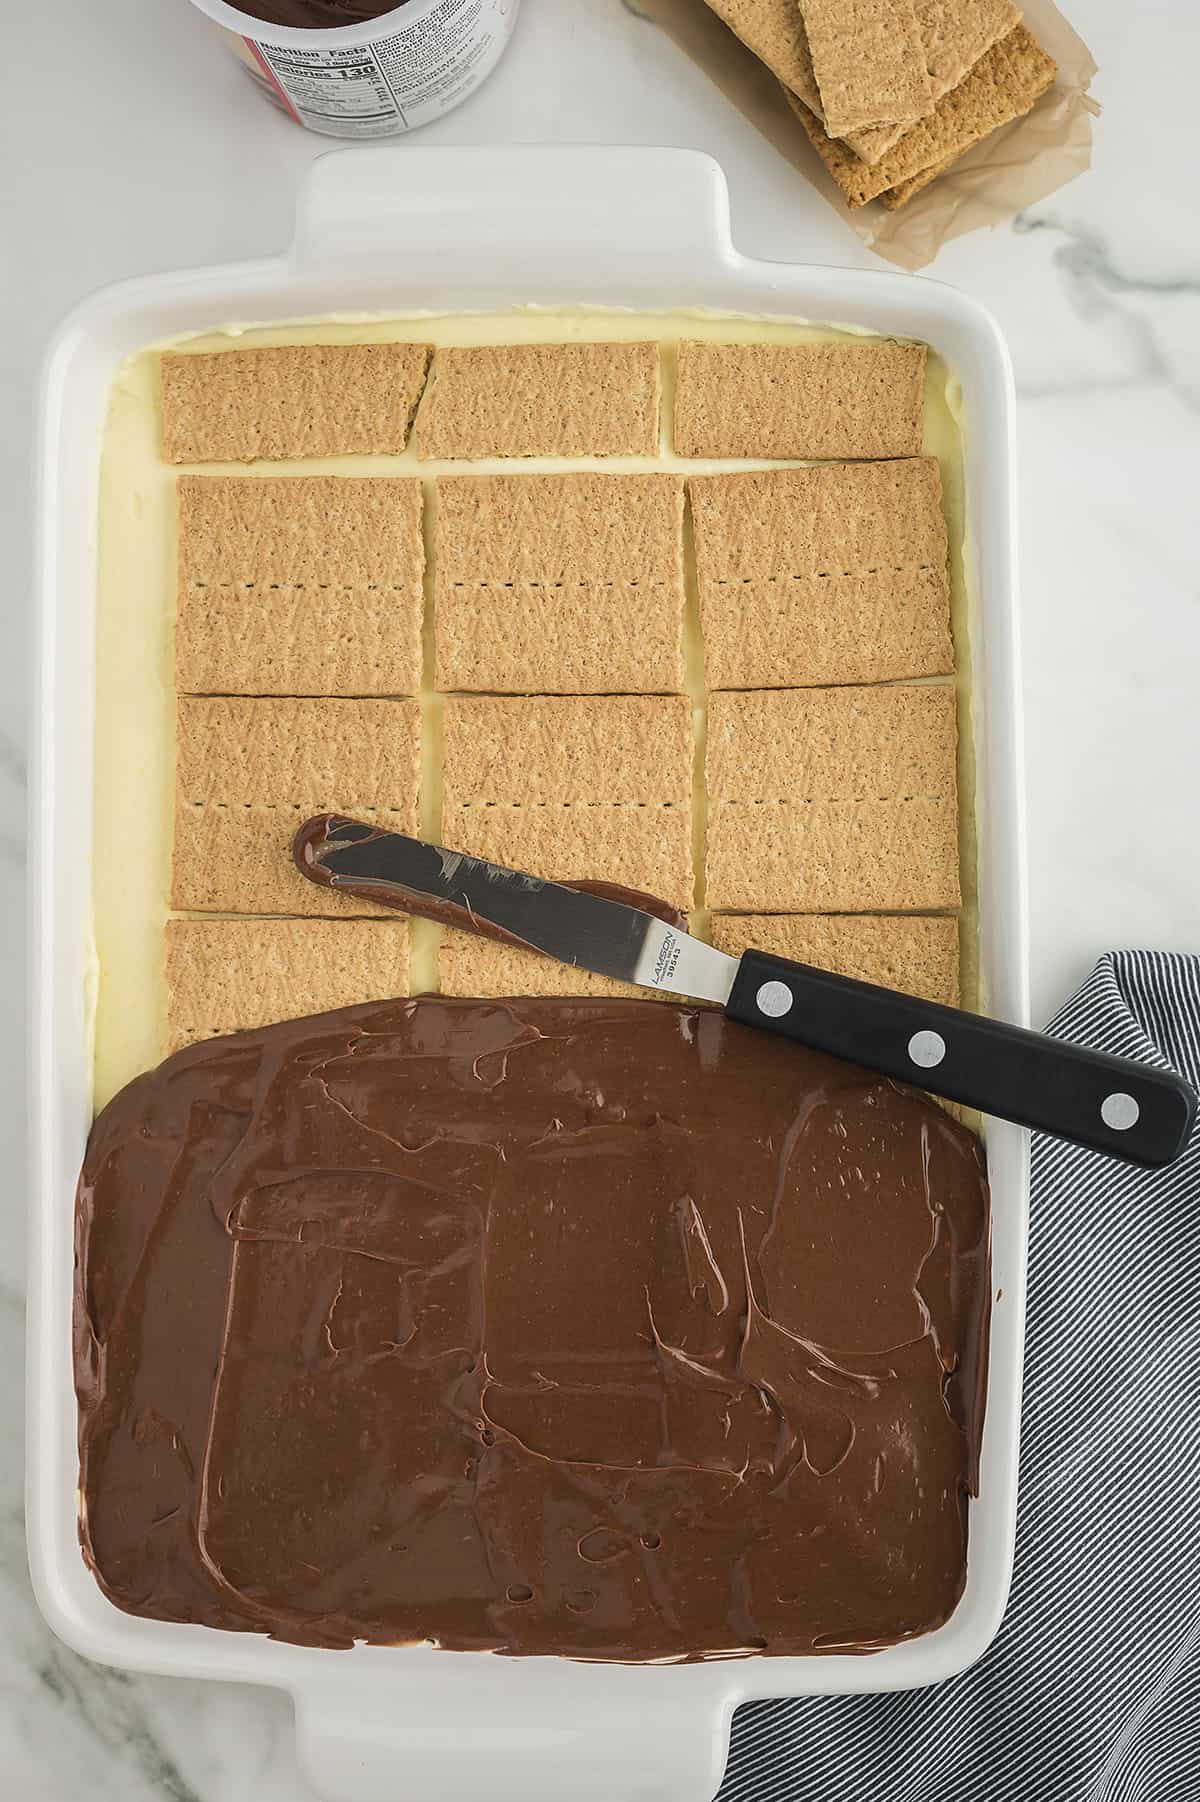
x=1109, y=1104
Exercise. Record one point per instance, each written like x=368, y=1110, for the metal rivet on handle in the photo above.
x=774, y=999
x=927, y=1049
x=1120, y=1111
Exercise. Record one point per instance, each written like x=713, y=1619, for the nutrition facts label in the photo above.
x=405, y=79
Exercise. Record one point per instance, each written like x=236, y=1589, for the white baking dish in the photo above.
x=393, y=230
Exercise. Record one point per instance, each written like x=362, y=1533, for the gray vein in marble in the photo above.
x=96, y=1711
x=106, y=1701
x=1097, y=288
x=69, y=1728
x=1092, y=259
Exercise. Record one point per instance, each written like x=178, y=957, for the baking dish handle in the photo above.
x=375, y=1743
x=489, y=209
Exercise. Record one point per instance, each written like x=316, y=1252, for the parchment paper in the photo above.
x=1022, y=162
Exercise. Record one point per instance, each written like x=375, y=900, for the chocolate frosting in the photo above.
x=608, y=1329
x=319, y=15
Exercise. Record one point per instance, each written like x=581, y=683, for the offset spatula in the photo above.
x=1109, y=1104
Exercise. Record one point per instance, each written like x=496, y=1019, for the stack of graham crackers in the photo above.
x=509, y=661
x=893, y=92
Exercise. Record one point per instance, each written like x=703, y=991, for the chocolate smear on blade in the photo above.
x=327, y=833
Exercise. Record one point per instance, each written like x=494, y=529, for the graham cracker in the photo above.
x=470, y=965
x=914, y=952
x=907, y=190
x=952, y=35
x=813, y=401
x=574, y=788
x=1004, y=84
x=541, y=400
x=833, y=800
x=248, y=772
x=299, y=585
x=560, y=584
x=873, y=141
x=774, y=31
x=956, y=33
x=235, y=975
x=869, y=61
x=297, y=400
x=834, y=573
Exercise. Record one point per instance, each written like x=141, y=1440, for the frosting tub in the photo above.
x=366, y=68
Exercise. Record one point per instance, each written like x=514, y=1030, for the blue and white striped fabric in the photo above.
x=1091, y=1692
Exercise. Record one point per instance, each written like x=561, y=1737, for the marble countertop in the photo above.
x=134, y=144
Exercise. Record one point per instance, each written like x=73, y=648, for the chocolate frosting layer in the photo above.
x=609, y=1329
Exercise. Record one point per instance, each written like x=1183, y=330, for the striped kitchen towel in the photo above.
x=1091, y=1692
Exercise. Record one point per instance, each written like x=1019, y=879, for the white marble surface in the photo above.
x=131, y=144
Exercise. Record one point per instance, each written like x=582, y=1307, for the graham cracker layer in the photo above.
x=1004, y=84
x=235, y=975
x=542, y=400
x=812, y=401
x=248, y=772
x=299, y=585
x=914, y=952
x=298, y=400
x=836, y=573
x=559, y=584
x=832, y=800
x=573, y=789
x=470, y=965
x=869, y=61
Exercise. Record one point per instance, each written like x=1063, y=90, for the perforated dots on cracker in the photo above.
x=299, y=585
x=574, y=789
x=835, y=573
x=833, y=800
x=249, y=772
x=560, y=584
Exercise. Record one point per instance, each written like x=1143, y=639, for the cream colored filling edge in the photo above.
x=135, y=735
